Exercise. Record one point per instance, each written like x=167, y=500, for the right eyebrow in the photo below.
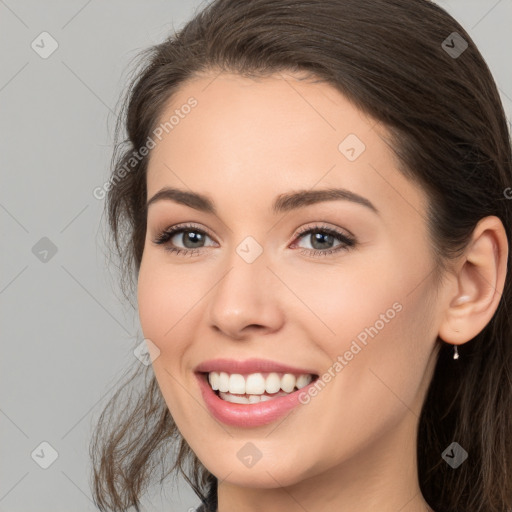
x=191, y=199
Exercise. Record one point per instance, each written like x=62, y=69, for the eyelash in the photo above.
x=347, y=242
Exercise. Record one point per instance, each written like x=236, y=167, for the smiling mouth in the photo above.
x=255, y=387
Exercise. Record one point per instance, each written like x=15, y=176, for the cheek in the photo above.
x=163, y=299
x=345, y=299
x=163, y=305
x=151, y=299
x=376, y=316
x=385, y=344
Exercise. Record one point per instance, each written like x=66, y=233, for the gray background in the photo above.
x=66, y=335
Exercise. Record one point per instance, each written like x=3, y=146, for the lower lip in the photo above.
x=248, y=415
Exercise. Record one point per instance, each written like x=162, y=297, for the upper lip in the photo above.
x=249, y=366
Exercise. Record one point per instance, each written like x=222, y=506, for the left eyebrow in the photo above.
x=302, y=198
x=283, y=202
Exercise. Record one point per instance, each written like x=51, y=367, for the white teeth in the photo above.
x=213, y=379
x=235, y=399
x=237, y=384
x=288, y=382
x=250, y=399
x=273, y=383
x=256, y=384
x=303, y=380
x=223, y=382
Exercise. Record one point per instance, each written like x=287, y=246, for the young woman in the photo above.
x=314, y=199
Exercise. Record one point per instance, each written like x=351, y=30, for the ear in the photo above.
x=480, y=279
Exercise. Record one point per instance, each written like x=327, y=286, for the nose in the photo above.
x=246, y=300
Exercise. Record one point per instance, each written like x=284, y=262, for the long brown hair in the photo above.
x=449, y=131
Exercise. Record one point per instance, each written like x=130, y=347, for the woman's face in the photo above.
x=363, y=316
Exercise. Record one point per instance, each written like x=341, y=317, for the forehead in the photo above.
x=247, y=140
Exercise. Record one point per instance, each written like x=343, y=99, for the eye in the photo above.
x=322, y=237
x=191, y=236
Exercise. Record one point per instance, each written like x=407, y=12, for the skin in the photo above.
x=353, y=446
